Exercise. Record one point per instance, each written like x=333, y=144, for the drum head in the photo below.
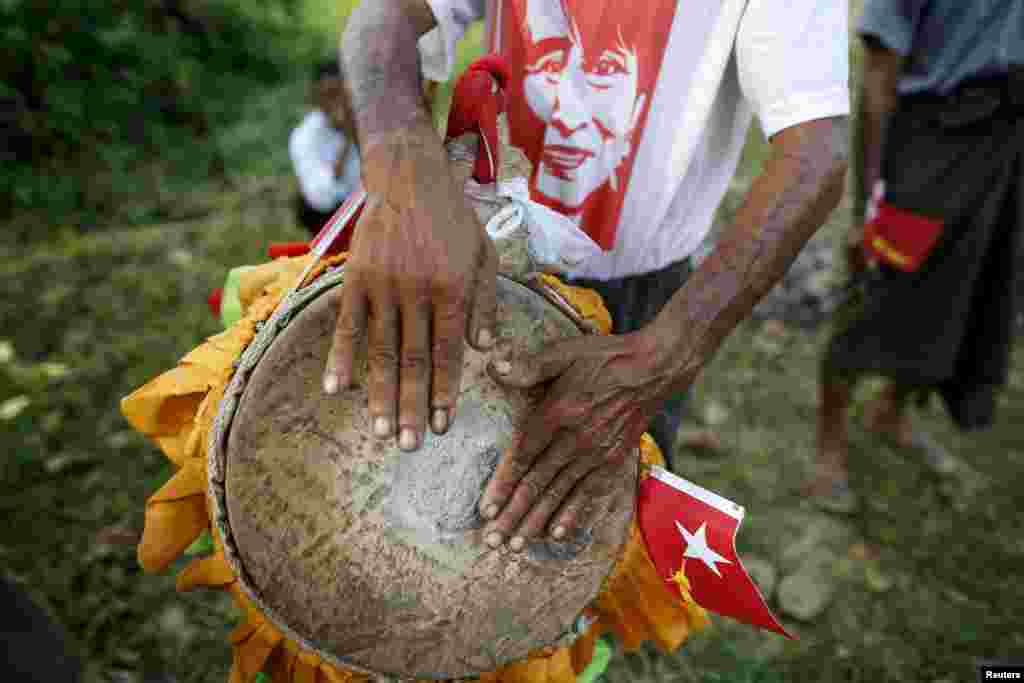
x=374, y=557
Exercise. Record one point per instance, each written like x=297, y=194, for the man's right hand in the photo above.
x=421, y=275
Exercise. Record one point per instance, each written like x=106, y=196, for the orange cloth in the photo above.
x=177, y=410
x=587, y=302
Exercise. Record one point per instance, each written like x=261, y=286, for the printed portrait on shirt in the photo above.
x=584, y=73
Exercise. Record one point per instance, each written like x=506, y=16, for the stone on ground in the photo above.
x=806, y=593
x=807, y=532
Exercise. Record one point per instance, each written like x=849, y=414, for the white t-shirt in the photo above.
x=635, y=114
x=314, y=146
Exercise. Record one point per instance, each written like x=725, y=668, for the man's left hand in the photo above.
x=577, y=445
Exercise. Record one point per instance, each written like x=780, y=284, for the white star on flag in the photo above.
x=698, y=549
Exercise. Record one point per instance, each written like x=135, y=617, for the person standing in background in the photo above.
x=940, y=182
x=323, y=151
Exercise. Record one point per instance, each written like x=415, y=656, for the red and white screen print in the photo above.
x=583, y=76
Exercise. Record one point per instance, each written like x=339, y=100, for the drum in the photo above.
x=374, y=558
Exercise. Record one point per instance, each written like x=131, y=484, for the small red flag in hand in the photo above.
x=692, y=530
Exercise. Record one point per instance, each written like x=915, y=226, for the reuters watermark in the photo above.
x=1000, y=670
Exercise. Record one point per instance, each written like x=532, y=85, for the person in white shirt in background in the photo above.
x=323, y=151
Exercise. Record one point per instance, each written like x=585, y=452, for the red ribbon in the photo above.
x=477, y=101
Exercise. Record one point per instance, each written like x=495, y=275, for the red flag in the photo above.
x=336, y=234
x=900, y=238
x=682, y=521
x=214, y=301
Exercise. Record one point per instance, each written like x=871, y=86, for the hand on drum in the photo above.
x=421, y=277
x=602, y=392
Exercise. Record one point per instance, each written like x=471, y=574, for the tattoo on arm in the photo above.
x=380, y=63
x=801, y=183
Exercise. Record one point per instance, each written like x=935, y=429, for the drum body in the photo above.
x=374, y=557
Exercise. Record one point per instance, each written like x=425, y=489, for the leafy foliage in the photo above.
x=92, y=91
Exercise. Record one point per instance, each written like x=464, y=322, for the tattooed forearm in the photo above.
x=801, y=183
x=380, y=63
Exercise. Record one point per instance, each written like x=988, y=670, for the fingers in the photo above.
x=566, y=490
x=397, y=329
x=483, y=316
x=447, y=352
x=535, y=487
x=575, y=499
x=415, y=351
x=561, y=409
x=539, y=518
x=382, y=355
x=348, y=333
x=414, y=366
x=512, y=467
x=402, y=355
x=451, y=322
x=530, y=442
x=583, y=507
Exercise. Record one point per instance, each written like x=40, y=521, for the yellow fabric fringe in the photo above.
x=177, y=410
x=587, y=303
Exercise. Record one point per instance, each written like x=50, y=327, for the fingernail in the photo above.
x=517, y=543
x=440, y=421
x=559, y=531
x=407, y=440
x=502, y=367
x=330, y=384
x=484, y=339
x=493, y=539
x=382, y=427
x=491, y=511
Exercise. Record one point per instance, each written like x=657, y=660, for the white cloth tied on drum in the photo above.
x=556, y=244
